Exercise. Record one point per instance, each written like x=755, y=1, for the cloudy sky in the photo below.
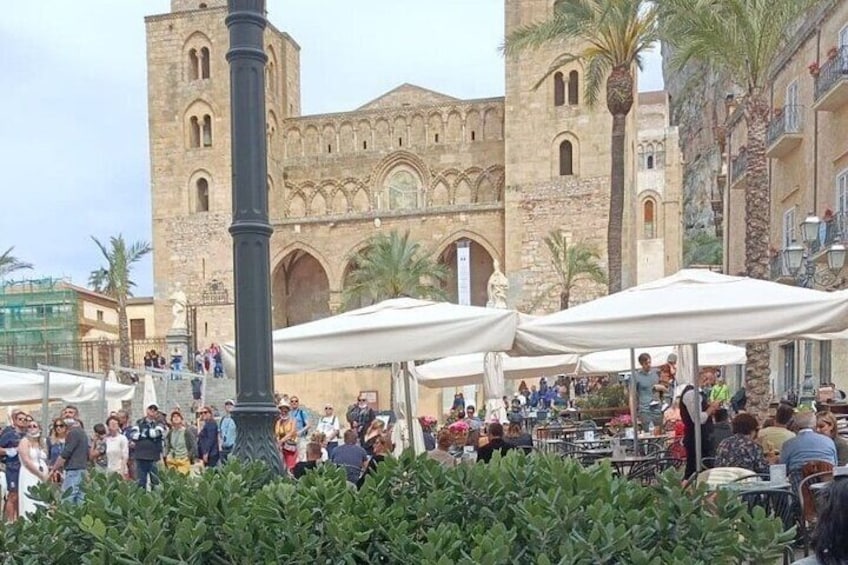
x=73, y=140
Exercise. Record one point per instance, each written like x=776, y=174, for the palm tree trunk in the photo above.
x=563, y=300
x=124, y=339
x=616, y=205
x=757, y=220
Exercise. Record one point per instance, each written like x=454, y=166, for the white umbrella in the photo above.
x=402, y=436
x=713, y=353
x=28, y=387
x=112, y=404
x=149, y=395
x=92, y=388
x=691, y=306
x=464, y=370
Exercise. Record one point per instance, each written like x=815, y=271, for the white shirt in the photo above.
x=692, y=402
x=329, y=426
x=117, y=453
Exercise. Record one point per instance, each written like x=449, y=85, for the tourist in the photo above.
x=127, y=430
x=207, y=439
x=495, y=443
x=148, y=435
x=645, y=379
x=351, y=456
x=360, y=416
x=375, y=430
x=117, y=448
x=56, y=440
x=321, y=440
x=694, y=405
x=774, y=436
x=741, y=449
x=831, y=543
x=228, y=431
x=328, y=425
x=518, y=438
x=313, y=458
x=301, y=420
x=720, y=392
x=97, y=453
x=71, y=412
x=442, y=454
x=286, y=432
x=74, y=461
x=382, y=449
x=180, y=445
x=34, y=469
x=721, y=427
x=806, y=446
x=826, y=424
x=10, y=438
x=475, y=423
x=458, y=402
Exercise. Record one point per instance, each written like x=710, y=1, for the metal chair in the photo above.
x=780, y=503
x=807, y=503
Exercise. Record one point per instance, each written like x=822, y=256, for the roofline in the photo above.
x=402, y=85
x=458, y=101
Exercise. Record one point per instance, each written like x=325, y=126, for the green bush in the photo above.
x=537, y=509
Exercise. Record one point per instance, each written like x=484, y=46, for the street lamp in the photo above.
x=799, y=257
x=255, y=412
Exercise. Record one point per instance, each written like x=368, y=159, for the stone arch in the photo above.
x=481, y=266
x=417, y=131
x=340, y=202
x=453, y=131
x=328, y=139
x=361, y=200
x=573, y=88
x=440, y=193
x=492, y=124
x=197, y=52
x=294, y=143
x=650, y=217
x=272, y=78
x=297, y=205
x=399, y=137
x=435, y=128
x=559, y=89
x=347, y=138
x=388, y=163
x=197, y=123
x=272, y=126
x=318, y=203
x=558, y=147
x=195, y=200
x=382, y=134
x=310, y=140
x=365, y=135
x=300, y=286
x=486, y=190
x=473, y=126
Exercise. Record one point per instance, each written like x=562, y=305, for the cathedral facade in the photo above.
x=474, y=181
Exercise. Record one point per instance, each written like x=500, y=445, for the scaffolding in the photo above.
x=39, y=323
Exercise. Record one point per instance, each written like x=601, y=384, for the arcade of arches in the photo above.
x=300, y=286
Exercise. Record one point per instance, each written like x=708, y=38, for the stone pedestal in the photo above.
x=179, y=340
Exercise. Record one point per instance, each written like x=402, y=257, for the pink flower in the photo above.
x=460, y=426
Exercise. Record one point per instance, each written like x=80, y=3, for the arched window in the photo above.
x=193, y=65
x=207, y=131
x=194, y=132
x=573, y=88
x=648, y=219
x=204, y=62
x=649, y=157
x=202, y=198
x=566, y=159
x=403, y=190
x=559, y=89
x=659, y=156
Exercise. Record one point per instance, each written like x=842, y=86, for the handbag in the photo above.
x=289, y=446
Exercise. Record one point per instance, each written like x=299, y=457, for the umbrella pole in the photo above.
x=407, y=399
x=45, y=401
x=103, y=396
x=632, y=390
x=697, y=383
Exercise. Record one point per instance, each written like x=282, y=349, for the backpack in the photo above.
x=738, y=400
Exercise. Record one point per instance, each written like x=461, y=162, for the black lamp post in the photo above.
x=799, y=257
x=255, y=411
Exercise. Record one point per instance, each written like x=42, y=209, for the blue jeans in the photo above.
x=145, y=470
x=71, y=486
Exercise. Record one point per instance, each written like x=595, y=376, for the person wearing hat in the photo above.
x=148, y=436
x=286, y=432
x=329, y=425
x=228, y=430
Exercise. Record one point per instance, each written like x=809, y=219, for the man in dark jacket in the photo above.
x=148, y=435
x=74, y=460
x=496, y=443
x=207, y=439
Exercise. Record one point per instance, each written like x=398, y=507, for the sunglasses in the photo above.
x=328, y=407
x=57, y=426
x=204, y=411
x=35, y=427
x=363, y=400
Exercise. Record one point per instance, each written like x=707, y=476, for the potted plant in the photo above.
x=814, y=69
x=832, y=53
x=604, y=405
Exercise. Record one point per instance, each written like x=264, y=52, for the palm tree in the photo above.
x=392, y=266
x=573, y=263
x=113, y=280
x=9, y=263
x=612, y=36
x=702, y=248
x=741, y=40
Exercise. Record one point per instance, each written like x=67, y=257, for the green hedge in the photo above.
x=537, y=509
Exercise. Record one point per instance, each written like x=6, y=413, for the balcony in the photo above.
x=832, y=83
x=738, y=167
x=784, y=132
x=779, y=271
x=835, y=229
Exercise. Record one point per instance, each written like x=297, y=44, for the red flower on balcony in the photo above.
x=832, y=53
x=814, y=68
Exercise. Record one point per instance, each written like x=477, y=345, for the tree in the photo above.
x=573, y=263
x=702, y=248
x=741, y=40
x=392, y=266
x=612, y=36
x=113, y=280
x=9, y=263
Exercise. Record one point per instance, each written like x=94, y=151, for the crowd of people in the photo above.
x=66, y=453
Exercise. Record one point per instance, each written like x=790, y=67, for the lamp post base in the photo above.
x=255, y=439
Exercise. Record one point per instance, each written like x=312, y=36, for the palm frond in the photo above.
x=9, y=263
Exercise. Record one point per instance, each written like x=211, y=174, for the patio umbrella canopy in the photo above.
x=21, y=387
x=691, y=306
x=464, y=370
x=709, y=354
x=396, y=330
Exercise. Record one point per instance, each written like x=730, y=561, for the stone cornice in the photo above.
x=386, y=214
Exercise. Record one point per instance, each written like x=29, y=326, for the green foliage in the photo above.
x=114, y=279
x=702, y=248
x=612, y=396
x=573, y=263
x=392, y=266
x=519, y=509
x=9, y=263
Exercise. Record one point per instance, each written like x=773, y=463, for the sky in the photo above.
x=73, y=137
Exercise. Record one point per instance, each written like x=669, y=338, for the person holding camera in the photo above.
x=148, y=437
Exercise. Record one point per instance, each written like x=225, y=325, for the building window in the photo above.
x=788, y=227
x=194, y=132
x=436, y=138
x=207, y=131
x=403, y=190
x=649, y=156
x=204, y=62
x=202, y=187
x=329, y=148
x=641, y=158
x=648, y=219
x=138, y=329
x=573, y=88
x=365, y=145
x=193, y=65
x=400, y=142
x=473, y=135
x=100, y=315
x=559, y=89
x=566, y=159
x=842, y=193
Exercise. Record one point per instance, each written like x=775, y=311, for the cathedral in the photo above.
x=474, y=181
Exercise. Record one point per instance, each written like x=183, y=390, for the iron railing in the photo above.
x=90, y=356
x=738, y=165
x=790, y=120
x=832, y=71
x=836, y=229
x=778, y=267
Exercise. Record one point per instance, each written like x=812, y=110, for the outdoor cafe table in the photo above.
x=622, y=465
x=743, y=485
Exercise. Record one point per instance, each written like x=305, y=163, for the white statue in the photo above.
x=497, y=288
x=179, y=309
